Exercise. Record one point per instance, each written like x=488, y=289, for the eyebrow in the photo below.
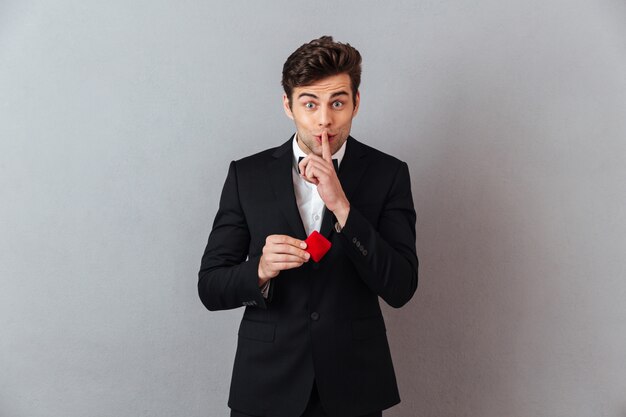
x=333, y=95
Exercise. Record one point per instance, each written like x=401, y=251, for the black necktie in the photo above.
x=335, y=164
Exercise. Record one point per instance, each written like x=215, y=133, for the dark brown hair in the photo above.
x=319, y=59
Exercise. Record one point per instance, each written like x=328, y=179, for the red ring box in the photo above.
x=317, y=245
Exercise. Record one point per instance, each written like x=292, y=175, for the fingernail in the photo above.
x=307, y=255
x=303, y=245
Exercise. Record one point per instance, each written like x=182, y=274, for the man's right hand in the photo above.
x=279, y=253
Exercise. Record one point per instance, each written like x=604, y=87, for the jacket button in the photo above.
x=364, y=252
x=315, y=316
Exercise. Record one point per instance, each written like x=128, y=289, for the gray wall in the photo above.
x=117, y=123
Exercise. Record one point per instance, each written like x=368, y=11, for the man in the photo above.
x=312, y=339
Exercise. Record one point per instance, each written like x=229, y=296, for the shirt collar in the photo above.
x=297, y=152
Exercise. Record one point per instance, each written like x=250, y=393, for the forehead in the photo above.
x=326, y=87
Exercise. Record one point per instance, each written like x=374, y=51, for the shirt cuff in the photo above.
x=265, y=289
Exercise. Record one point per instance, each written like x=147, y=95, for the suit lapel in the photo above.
x=353, y=166
x=282, y=185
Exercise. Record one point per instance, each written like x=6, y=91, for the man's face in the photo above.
x=326, y=105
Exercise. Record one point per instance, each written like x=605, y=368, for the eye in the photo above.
x=309, y=105
x=337, y=104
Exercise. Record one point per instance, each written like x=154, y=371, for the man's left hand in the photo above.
x=321, y=172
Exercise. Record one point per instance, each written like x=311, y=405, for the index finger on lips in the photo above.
x=326, y=148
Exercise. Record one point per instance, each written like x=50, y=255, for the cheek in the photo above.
x=303, y=120
x=346, y=119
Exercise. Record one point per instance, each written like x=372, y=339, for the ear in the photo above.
x=357, y=101
x=286, y=107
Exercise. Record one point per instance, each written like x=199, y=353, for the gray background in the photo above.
x=117, y=123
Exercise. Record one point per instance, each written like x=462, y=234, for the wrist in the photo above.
x=341, y=213
x=262, y=281
x=263, y=276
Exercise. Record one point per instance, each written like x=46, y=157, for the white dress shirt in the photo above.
x=310, y=204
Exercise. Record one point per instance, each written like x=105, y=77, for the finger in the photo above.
x=284, y=249
x=305, y=168
x=312, y=158
x=320, y=166
x=316, y=170
x=273, y=258
x=286, y=240
x=326, y=148
x=310, y=177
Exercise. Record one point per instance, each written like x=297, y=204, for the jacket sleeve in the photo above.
x=227, y=277
x=385, y=257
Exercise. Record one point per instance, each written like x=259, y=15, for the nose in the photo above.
x=325, y=117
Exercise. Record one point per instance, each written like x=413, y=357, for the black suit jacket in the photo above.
x=322, y=320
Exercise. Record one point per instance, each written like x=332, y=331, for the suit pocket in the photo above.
x=369, y=327
x=256, y=330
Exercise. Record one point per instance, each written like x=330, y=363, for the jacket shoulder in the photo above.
x=254, y=159
x=262, y=158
